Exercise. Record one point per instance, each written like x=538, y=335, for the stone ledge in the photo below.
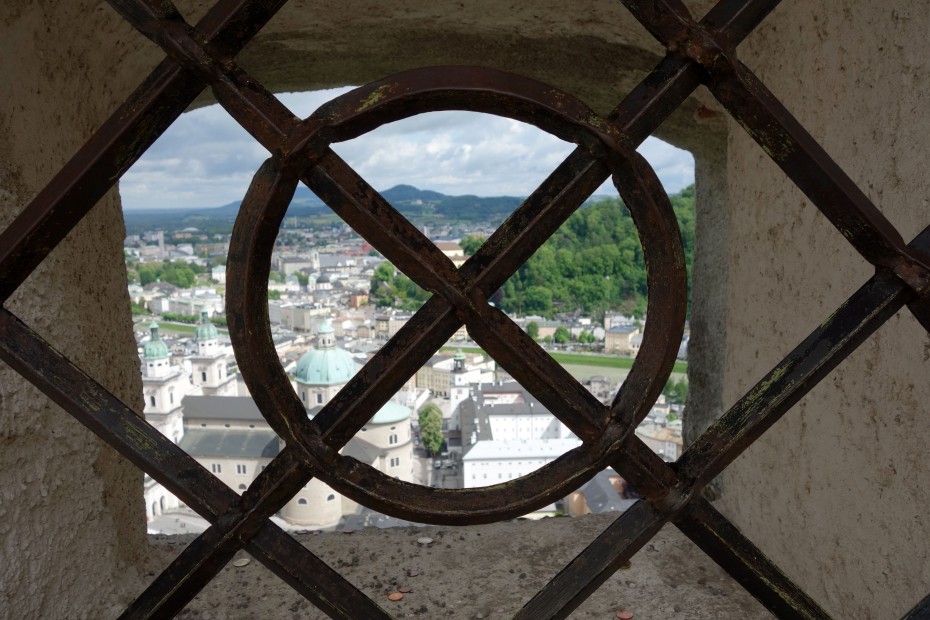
x=486, y=571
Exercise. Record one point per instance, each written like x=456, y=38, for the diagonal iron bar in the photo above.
x=747, y=564
x=821, y=352
x=120, y=141
x=783, y=138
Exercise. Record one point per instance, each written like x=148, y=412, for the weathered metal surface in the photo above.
x=920, y=611
x=698, y=53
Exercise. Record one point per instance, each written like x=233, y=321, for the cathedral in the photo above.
x=385, y=442
x=228, y=435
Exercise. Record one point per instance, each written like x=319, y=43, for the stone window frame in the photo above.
x=698, y=52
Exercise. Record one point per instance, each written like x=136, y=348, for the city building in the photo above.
x=164, y=386
x=619, y=339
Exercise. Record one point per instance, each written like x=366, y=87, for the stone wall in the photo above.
x=68, y=503
x=836, y=491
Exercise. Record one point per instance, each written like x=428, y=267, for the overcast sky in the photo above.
x=206, y=160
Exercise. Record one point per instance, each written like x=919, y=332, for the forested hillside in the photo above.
x=593, y=263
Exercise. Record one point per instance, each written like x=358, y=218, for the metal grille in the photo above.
x=698, y=52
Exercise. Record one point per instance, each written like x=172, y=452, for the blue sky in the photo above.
x=206, y=160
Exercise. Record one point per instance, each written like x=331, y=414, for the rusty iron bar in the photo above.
x=366, y=376
x=250, y=104
x=187, y=45
x=118, y=143
x=720, y=539
x=199, y=562
x=865, y=311
x=920, y=611
x=819, y=354
x=111, y=420
x=784, y=140
x=329, y=180
x=598, y=561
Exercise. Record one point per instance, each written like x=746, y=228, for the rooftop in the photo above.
x=221, y=408
x=230, y=443
x=533, y=448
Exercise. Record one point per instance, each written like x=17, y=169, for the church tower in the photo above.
x=164, y=386
x=208, y=364
x=459, y=388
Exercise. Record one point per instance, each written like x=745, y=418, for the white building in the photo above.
x=506, y=434
x=496, y=462
x=507, y=412
x=385, y=442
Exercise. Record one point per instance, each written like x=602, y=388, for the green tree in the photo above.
x=392, y=289
x=276, y=276
x=177, y=273
x=676, y=391
x=148, y=273
x=562, y=335
x=471, y=243
x=430, y=418
x=538, y=299
x=594, y=263
x=532, y=329
x=274, y=295
x=177, y=317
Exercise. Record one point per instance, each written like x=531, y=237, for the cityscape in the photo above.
x=459, y=422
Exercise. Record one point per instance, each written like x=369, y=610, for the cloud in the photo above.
x=206, y=159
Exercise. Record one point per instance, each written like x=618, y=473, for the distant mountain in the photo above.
x=409, y=193
x=417, y=205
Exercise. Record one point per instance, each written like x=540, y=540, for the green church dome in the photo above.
x=155, y=348
x=327, y=364
x=390, y=413
x=206, y=330
x=325, y=367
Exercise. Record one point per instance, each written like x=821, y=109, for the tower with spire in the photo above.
x=208, y=363
x=163, y=386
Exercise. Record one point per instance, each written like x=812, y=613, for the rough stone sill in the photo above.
x=486, y=571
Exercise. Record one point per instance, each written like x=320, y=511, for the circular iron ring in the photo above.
x=401, y=96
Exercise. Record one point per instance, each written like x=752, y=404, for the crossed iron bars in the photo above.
x=698, y=53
